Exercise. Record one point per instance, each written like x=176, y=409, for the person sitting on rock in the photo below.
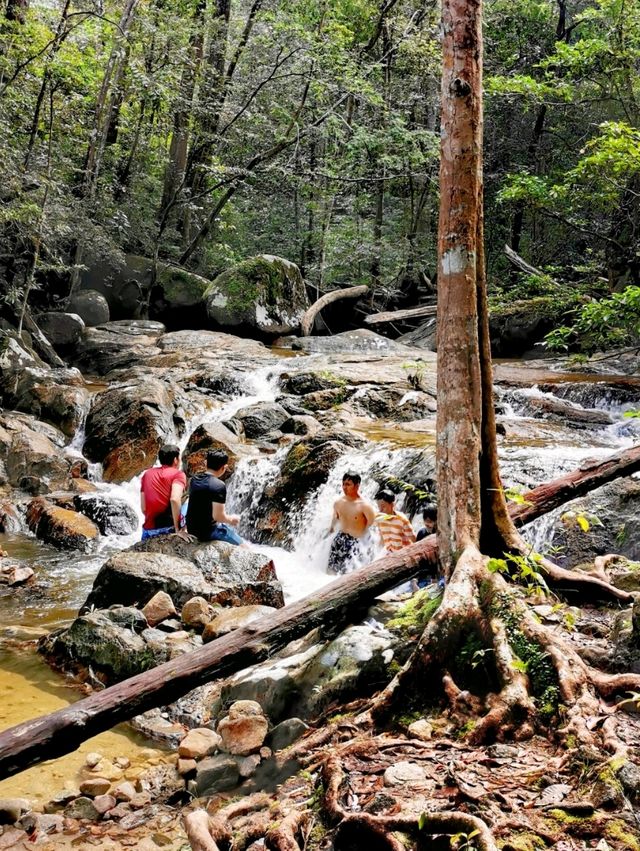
x=206, y=515
x=354, y=515
x=161, y=492
x=394, y=527
x=429, y=518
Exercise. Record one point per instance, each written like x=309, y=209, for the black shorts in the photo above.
x=344, y=547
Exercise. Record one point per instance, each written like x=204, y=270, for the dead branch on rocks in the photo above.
x=306, y=326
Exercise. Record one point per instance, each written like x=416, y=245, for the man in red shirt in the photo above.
x=161, y=492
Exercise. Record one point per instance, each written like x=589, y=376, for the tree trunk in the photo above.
x=306, y=326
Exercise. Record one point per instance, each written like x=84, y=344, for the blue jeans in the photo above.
x=222, y=532
x=153, y=533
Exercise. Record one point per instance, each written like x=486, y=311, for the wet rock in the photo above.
x=306, y=466
x=117, y=345
x=198, y=743
x=614, y=515
x=33, y=462
x=229, y=619
x=286, y=733
x=404, y=774
x=111, y=515
x=82, y=808
x=59, y=526
x=11, y=809
x=301, y=424
x=517, y=327
x=244, y=729
x=93, y=639
x=126, y=426
x=259, y=419
x=217, y=572
x=57, y=396
x=90, y=306
x=265, y=294
x=215, y=774
x=63, y=330
x=197, y=613
x=323, y=400
x=159, y=608
x=94, y=786
x=212, y=436
x=14, y=574
x=9, y=518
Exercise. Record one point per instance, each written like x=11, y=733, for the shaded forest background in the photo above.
x=201, y=133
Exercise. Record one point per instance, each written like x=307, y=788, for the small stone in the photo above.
x=107, y=770
x=124, y=791
x=70, y=825
x=140, y=800
x=216, y=774
x=186, y=767
x=247, y=764
x=14, y=574
x=133, y=820
x=95, y=786
x=244, y=729
x=122, y=762
x=199, y=743
x=159, y=608
x=420, y=729
x=92, y=759
x=81, y=808
x=11, y=809
x=629, y=776
x=50, y=823
x=119, y=811
x=265, y=752
x=104, y=803
x=197, y=613
x=404, y=774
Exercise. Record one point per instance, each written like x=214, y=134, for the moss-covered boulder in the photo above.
x=264, y=294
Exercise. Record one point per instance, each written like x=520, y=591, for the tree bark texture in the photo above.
x=459, y=381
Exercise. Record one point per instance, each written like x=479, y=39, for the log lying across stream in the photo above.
x=338, y=603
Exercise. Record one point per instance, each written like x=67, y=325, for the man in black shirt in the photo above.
x=206, y=515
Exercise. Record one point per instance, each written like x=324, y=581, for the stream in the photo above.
x=533, y=450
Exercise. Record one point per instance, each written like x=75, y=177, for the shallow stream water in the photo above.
x=532, y=451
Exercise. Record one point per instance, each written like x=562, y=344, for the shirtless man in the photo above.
x=353, y=515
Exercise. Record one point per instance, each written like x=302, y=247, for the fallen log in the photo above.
x=308, y=319
x=345, y=599
x=520, y=263
x=399, y=315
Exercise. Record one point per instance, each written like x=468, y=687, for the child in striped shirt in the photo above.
x=394, y=527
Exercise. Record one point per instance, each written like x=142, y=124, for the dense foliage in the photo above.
x=203, y=133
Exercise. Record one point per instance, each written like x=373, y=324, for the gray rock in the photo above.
x=217, y=572
x=303, y=424
x=226, y=620
x=82, y=808
x=216, y=774
x=127, y=616
x=405, y=774
x=57, y=396
x=286, y=733
x=360, y=340
x=117, y=345
x=93, y=639
x=90, y=306
x=11, y=809
x=61, y=329
x=261, y=418
x=629, y=776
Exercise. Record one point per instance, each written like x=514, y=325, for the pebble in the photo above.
x=92, y=759
x=104, y=803
x=124, y=791
x=404, y=774
x=95, y=786
x=420, y=729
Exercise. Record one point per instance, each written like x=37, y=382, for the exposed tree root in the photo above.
x=481, y=603
x=283, y=837
x=375, y=832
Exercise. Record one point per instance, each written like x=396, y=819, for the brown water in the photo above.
x=30, y=688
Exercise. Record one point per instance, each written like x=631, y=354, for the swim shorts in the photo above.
x=344, y=548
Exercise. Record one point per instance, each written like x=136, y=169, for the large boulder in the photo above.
x=63, y=330
x=112, y=516
x=15, y=356
x=211, y=343
x=218, y=572
x=359, y=340
x=264, y=294
x=212, y=436
x=58, y=396
x=91, y=306
x=109, y=648
x=61, y=527
x=261, y=418
x=33, y=462
x=117, y=345
x=515, y=328
x=126, y=426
